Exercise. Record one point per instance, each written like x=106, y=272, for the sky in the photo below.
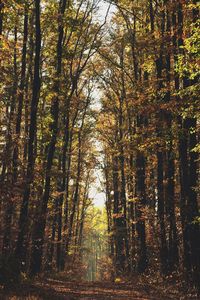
x=103, y=7
x=100, y=197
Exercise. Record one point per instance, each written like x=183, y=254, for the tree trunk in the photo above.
x=141, y=195
x=76, y=194
x=8, y=150
x=20, y=97
x=65, y=156
x=39, y=227
x=189, y=179
x=23, y=220
x=1, y=18
x=170, y=176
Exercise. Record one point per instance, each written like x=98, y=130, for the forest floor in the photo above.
x=56, y=289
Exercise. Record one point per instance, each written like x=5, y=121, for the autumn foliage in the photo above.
x=83, y=94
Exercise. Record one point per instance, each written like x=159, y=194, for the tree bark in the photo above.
x=20, y=97
x=7, y=166
x=170, y=155
x=39, y=227
x=21, y=249
x=118, y=221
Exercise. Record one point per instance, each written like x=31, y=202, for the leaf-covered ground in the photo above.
x=57, y=289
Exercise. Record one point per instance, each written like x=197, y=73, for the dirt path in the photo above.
x=55, y=289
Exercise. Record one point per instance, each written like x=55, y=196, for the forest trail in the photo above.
x=57, y=289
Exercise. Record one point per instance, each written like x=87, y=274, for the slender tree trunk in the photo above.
x=76, y=194
x=161, y=214
x=109, y=209
x=29, y=83
x=192, y=211
x=65, y=156
x=161, y=157
x=66, y=204
x=1, y=19
x=59, y=215
x=123, y=196
x=177, y=22
x=20, y=97
x=23, y=220
x=141, y=194
x=39, y=227
x=188, y=180
x=8, y=150
x=1, y=22
x=51, y=248
x=118, y=222
x=9, y=210
x=170, y=155
x=151, y=13
x=83, y=211
x=122, y=163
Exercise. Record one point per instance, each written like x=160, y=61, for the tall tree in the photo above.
x=21, y=248
x=38, y=234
